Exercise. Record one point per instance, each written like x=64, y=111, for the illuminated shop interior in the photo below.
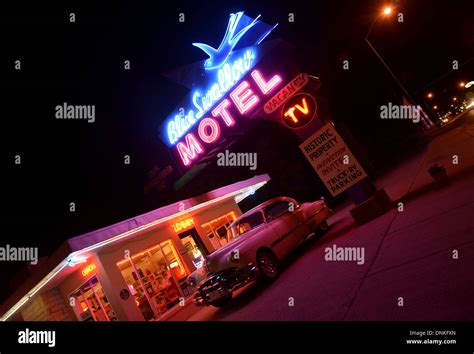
x=94, y=279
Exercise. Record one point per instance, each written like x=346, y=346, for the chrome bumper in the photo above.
x=218, y=285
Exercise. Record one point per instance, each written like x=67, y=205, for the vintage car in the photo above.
x=257, y=242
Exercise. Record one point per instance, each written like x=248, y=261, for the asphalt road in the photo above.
x=418, y=262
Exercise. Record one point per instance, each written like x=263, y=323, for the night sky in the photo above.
x=82, y=63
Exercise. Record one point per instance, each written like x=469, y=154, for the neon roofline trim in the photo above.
x=35, y=289
x=166, y=218
x=66, y=261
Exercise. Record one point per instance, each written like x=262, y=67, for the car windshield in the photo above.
x=246, y=224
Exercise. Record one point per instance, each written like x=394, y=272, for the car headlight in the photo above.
x=234, y=256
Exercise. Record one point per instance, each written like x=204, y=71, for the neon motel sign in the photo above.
x=211, y=109
x=202, y=100
x=244, y=97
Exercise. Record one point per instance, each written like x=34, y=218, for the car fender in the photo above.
x=312, y=209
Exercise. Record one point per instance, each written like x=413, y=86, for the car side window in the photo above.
x=276, y=209
x=250, y=222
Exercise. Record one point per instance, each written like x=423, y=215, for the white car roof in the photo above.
x=261, y=206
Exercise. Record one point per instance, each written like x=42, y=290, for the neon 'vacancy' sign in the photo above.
x=223, y=69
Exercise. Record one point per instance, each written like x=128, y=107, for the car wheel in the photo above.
x=267, y=265
x=222, y=301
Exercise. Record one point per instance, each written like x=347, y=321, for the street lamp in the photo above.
x=386, y=12
x=430, y=95
x=462, y=84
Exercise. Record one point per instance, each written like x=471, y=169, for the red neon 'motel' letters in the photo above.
x=243, y=97
x=213, y=127
x=221, y=110
x=189, y=151
x=266, y=87
x=244, y=100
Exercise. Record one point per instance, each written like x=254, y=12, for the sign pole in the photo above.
x=334, y=162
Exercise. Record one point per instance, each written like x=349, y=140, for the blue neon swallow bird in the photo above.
x=217, y=57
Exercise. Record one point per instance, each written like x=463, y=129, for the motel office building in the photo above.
x=135, y=270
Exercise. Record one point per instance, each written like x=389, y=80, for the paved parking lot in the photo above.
x=418, y=262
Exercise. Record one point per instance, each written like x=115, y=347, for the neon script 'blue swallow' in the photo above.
x=217, y=57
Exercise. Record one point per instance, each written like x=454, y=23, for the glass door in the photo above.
x=194, y=247
x=91, y=304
